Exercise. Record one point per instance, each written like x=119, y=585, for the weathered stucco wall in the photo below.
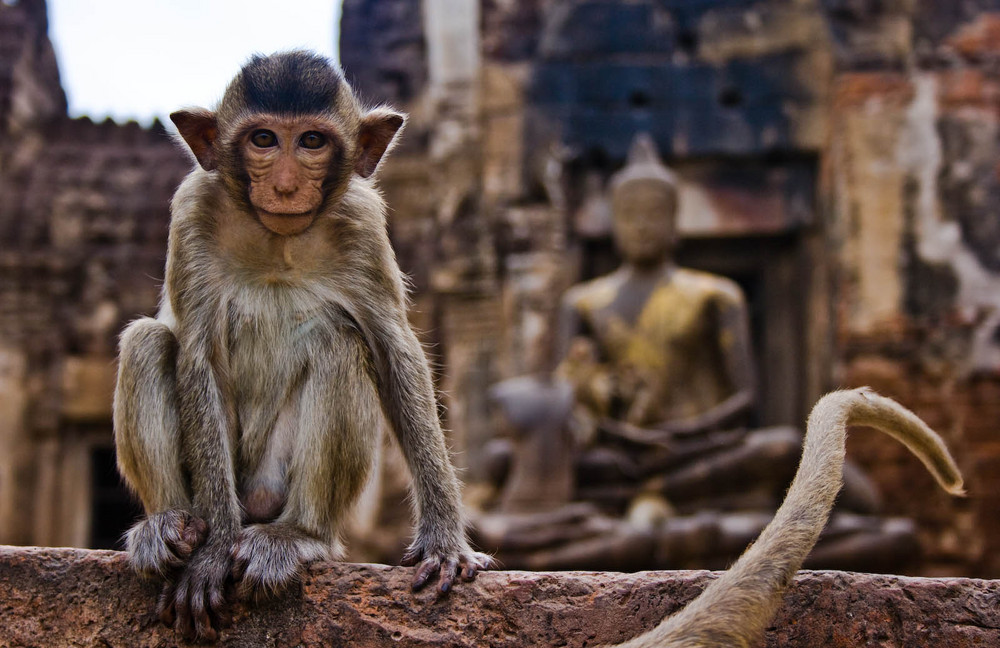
x=65, y=597
x=911, y=187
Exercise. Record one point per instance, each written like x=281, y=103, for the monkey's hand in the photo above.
x=195, y=602
x=460, y=561
x=161, y=543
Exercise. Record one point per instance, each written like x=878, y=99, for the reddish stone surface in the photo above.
x=855, y=89
x=980, y=38
x=967, y=88
x=70, y=597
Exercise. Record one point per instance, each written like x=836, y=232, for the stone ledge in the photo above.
x=72, y=597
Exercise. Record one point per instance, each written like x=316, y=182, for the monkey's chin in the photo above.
x=286, y=224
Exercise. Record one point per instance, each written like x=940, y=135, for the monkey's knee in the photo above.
x=147, y=345
x=147, y=438
x=146, y=369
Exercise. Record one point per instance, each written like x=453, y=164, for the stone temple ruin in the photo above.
x=836, y=160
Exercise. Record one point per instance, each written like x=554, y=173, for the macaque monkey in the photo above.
x=248, y=412
x=734, y=610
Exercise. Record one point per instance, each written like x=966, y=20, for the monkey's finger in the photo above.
x=424, y=572
x=472, y=563
x=192, y=536
x=199, y=613
x=219, y=607
x=411, y=558
x=469, y=572
x=222, y=617
x=165, y=604
x=198, y=527
x=182, y=608
x=447, y=575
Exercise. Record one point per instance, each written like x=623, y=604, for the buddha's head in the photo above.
x=644, y=204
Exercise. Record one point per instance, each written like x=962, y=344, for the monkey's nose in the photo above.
x=285, y=186
x=285, y=179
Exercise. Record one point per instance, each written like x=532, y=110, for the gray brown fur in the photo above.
x=734, y=610
x=247, y=413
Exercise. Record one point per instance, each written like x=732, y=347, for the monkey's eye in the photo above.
x=312, y=140
x=263, y=139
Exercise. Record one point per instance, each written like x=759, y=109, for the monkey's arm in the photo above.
x=195, y=598
x=407, y=393
x=208, y=430
x=207, y=410
x=440, y=544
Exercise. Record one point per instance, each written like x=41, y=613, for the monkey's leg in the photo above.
x=332, y=449
x=147, y=441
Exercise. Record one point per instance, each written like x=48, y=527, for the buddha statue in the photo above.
x=635, y=453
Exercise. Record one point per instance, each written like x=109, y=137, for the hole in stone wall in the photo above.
x=595, y=157
x=731, y=97
x=687, y=41
x=639, y=99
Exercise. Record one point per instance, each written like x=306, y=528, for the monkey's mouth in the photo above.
x=264, y=212
x=286, y=224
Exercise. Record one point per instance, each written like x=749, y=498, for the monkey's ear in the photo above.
x=378, y=128
x=199, y=129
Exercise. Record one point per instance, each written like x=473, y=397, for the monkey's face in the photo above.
x=288, y=138
x=288, y=161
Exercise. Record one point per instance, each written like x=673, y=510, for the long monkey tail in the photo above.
x=734, y=610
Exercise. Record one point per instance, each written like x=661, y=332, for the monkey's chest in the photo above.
x=271, y=341
x=266, y=362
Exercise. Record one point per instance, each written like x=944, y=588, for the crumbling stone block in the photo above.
x=69, y=597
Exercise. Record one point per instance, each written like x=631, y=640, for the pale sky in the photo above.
x=138, y=59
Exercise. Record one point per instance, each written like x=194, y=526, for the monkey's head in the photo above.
x=287, y=137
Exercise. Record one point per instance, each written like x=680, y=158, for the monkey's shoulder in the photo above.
x=197, y=196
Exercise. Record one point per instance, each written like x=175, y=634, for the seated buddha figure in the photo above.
x=637, y=448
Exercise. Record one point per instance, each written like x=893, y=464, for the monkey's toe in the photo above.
x=463, y=565
x=425, y=570
x=267, y=558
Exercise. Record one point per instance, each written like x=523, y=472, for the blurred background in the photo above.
x=838, y=159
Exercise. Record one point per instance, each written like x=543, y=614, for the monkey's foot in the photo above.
x=462, y=562
x=162, y=542
x=196, y=601
x=268, y=557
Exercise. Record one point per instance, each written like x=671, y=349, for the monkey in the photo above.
x=734, y=610
x=248, y=411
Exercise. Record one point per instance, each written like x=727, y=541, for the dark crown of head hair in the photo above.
x=295, y=83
